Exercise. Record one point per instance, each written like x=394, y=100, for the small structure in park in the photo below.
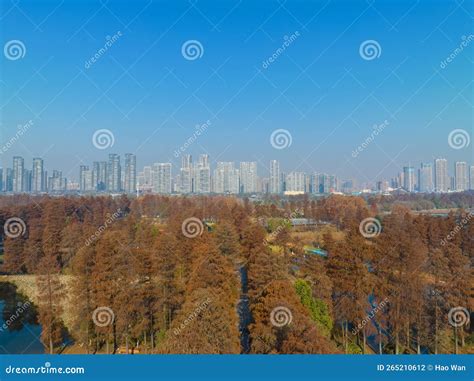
x=316, y=251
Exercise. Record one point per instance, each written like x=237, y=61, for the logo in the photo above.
x=370, y=227
x=370, y=50
x=192, y=50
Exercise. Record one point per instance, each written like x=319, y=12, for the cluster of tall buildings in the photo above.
x=103, y=176
x=196, y=177
x=116, y=176
x=229, y=178
x=434, y=177
x=20, y=179
x=111, y=176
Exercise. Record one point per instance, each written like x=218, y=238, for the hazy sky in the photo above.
x=323, y=87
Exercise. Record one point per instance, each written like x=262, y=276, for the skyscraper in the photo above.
x=322, y=183
x=37, y=184
x=202, y=175
x=186, y=174
x=114, y=173
x=27, y=175
x=130, y=178
x=56, y=183
x=99, y=175
x=296, y=182
x=147, y=178
x=441, y=175
x=460, y=176
x=86, y=179
x=425, y=178
x=162, y=178
x=275, y=177
x=204, y=160
x=409, y=179
x=226, y=178
x=82, y=177
x=248, y=177
x=9, y=180
x=18, y=173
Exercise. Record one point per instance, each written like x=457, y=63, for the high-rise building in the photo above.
x=162, y=178
x=226, y=178
x=204, y=160
x=147, y=183
x=18, y=174
x=471, y=177
x=202, y=175
x=275, y=177
x=9, y=180
x=296, y=182
x=322, y=183
x=441, y=175
x=186, y=161
x=130, y=177
x=186, y=175
x=315, y=183
x=27, y=175
x=114, y=172
x=460, y=176
x=86, y=179
x=409, y=179
x=425, y=178
x=99, y=175
x=56, y=183
x=395, y=182
x=37, y=184
x=248, y=177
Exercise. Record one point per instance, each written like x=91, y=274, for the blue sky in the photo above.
x=320, y=89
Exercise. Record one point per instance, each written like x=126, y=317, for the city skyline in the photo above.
x=199, y=177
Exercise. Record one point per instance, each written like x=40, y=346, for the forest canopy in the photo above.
x=217, y=274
